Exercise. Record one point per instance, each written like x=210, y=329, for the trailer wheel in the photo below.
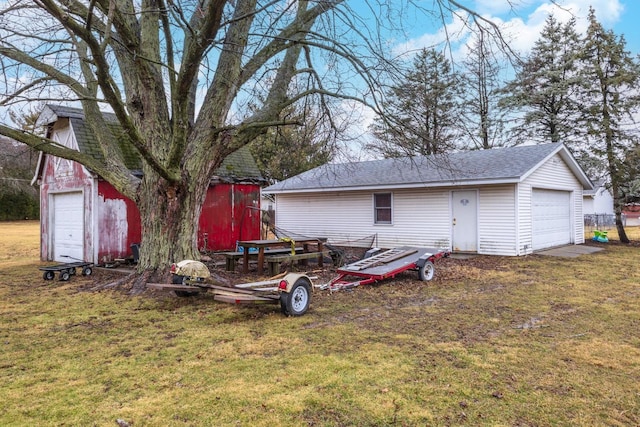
x=87, y=271
x=296, y=302
x=64, y=275
x=48, y=275
x=178, y=279
x=425, y=273
x=185, y=294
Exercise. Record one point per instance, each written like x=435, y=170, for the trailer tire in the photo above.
x=65, y=275
x=87, y=271
x=48, y=275
x=425, y=273
x=296, y=302
x=185, y=294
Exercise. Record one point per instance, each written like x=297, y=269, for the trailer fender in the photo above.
x=287, y=282
x=423, y=260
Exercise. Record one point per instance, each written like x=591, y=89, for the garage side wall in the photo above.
x=552, y=175
x=419, y=217
x=497, y=220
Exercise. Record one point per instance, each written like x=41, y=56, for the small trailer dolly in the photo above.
x=66, y=270
x=387, y=264
x=292, y=291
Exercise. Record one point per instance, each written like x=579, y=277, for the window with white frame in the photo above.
x=382, y=208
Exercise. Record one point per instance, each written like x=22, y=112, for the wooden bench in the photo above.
x=274, y=260
x=231, y=258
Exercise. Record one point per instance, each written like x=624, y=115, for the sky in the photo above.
x=522, y=20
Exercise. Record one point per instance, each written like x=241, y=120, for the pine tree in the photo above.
x=610, y=98
x=302, y=142
x=421, y=111
x=544, y=87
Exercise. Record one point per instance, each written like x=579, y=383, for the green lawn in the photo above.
x=531, y=341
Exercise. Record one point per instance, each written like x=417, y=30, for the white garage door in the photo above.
x=68, y=227
x=551, y=213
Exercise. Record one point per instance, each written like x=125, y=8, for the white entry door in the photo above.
x=464, y=220
x=68, y=227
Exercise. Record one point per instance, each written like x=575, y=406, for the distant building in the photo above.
x=598, y=206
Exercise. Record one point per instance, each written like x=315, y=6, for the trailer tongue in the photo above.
x=386, y=265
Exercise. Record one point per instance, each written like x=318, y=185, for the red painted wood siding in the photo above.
x=119, y=224
x=231, y=212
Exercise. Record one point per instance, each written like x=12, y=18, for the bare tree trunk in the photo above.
x=169, y=215
x=618, y=205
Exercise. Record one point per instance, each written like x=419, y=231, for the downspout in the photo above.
x=516, y=203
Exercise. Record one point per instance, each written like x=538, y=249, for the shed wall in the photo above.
x=230, y=212
x=118, y=224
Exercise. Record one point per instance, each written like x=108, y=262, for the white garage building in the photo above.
x=508, y=201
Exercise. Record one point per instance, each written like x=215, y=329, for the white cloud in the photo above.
x=457, y=31
x=521, y=22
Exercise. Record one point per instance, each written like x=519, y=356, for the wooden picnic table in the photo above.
x=261, y=245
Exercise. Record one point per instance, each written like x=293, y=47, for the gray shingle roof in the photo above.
x=483, y=166
x=239, y=165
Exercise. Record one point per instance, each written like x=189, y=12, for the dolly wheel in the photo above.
x=296, y=302
x=87, y=271
x=48, y=275
x=425, y=273
x=64, y=275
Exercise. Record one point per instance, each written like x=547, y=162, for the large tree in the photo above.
x=610, y=99
x=544, y=85
x=178, y=75
x=175, y=74
x=421, y=109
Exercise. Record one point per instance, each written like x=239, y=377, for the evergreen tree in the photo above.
x=609, y=95
x=301, y=143
x=544, y=87
x=421, y=111
x=18, y=199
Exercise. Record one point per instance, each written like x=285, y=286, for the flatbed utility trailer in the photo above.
x=387, y=264
x=66, y=270
x=292, y=291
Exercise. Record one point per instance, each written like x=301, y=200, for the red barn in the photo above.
x=83, y=217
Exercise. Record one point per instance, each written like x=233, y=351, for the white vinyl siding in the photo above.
x=524, y=220
x=420, y=217
x=497, y=220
